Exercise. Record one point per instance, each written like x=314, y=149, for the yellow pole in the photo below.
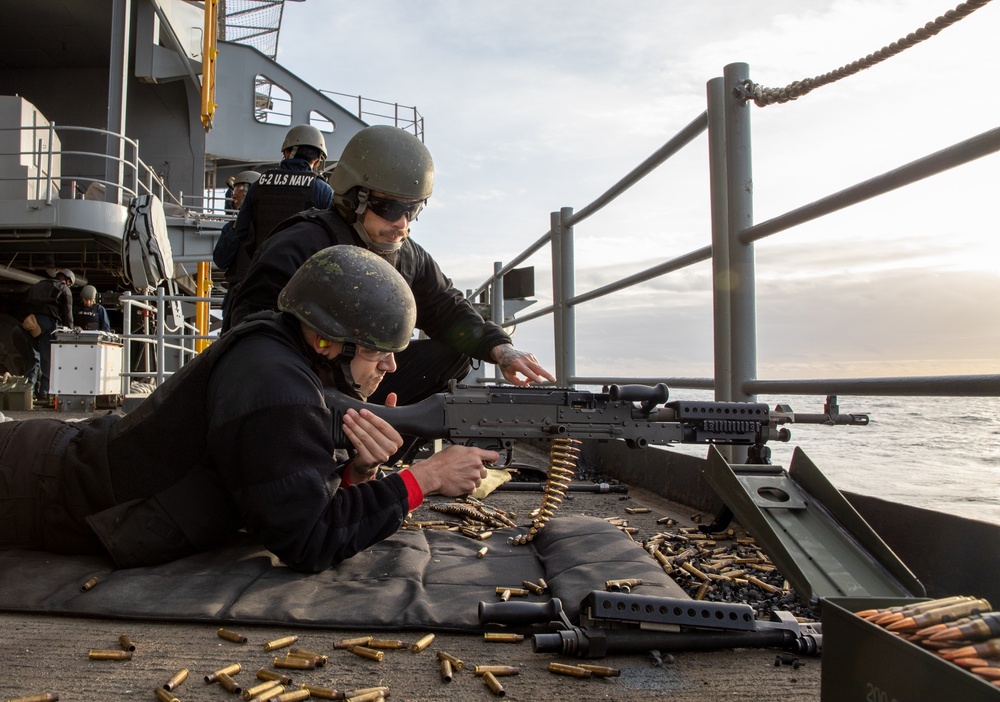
x=208, y=56
x=201, y=308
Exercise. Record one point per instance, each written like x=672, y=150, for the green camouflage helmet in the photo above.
x=388, y=160
x=89, y=292
x=349, y=294
x=304, y=135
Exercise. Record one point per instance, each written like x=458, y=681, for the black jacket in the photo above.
x=50, y=297
x=239, y=438
x=443, y=313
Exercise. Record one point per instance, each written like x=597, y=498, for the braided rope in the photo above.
x=769, y=96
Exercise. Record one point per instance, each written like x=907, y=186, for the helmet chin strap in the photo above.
x=346, y=356
x=359, y=227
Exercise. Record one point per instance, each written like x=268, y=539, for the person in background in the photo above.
x=290, y=188
x=50, y=303
x=382, y=181
x=230, y=203
x=228, y=255
x=241, y=438
x=89, y=314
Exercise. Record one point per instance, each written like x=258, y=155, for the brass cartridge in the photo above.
x=229, y=684
x=504, y=595
x=621, y=584
x=176, y=679
x=571, y=670
x=985, y=649
x=382, y=690
x=483, y=535
x=310, y=654
x=637, y=510
x=497, y=637
x=456, y=663
x=265, y=674
x=293, y=663
x=228, y=670
x=316, y=658
x=126, y=643
x=356, y=641
x=601, y=671
x=161, y=694
x=89, y=584
x=422, y=643
x=369, y=653
x=43, y=697
x=481, y=553
x=939, y=615
x=389, y=644
x=252, y=692
x=445, y=666
x=280, y=643
x=986, y=626
x=293, y=696
x=232, y=636
x=533, y=588
x=514, y=591
x=269, y=693
x=988, y=673
x=495, y=687
x=96, y=654
x=498, y=670
x=324, y=693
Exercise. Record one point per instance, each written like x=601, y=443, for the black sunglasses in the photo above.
x=391, y=210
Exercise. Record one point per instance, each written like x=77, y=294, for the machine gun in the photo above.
x=494, y=417
x=617, y=623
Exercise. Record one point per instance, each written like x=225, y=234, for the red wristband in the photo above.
x=415, y=496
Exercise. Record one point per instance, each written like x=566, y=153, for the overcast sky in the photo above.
x=533, y=106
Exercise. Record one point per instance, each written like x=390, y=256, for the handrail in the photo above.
x=137, y=176
x=737, y=240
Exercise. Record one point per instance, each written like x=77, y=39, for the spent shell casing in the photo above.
x=89, y=584
x=97, y=654
x=456, y=663
x=317, y=660
x=324, y=659
x=293, y=696
x=498, y=670
x=422, y=643
x=229, y=684
x=481, y=553
x=293, y=663
x=265, y=674
x=445, y=667
x=164, y=695
x=504, y=595
x=232, y=636
x=126, y=643
x=572, y=670
x=176, y=679
x=497, y=637
x=490, y=680
x=324, y=693
x=355, y=641
x=514, y=591
x=265, y=686
x=371, y=696
x=369, y=653
x=231, y=669
x=389, y=644
x=601, y=671
x=42, y=697
x=362, y=691
x=533, y=588
x=280, y=643
x=269, y=693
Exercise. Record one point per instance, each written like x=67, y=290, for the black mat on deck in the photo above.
x=413, y=580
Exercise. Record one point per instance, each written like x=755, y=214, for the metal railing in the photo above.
x=134, y=176
x=403, y=116
x=727, y=123
x=157, y=336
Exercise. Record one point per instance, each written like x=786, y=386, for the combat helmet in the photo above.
x=349, y=294
x=246, y=178
x=67, y=274
x=89, y=292
x=304, y=135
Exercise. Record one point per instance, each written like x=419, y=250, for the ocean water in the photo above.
x=941, y=453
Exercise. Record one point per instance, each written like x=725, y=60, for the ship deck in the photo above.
x=45, y=653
